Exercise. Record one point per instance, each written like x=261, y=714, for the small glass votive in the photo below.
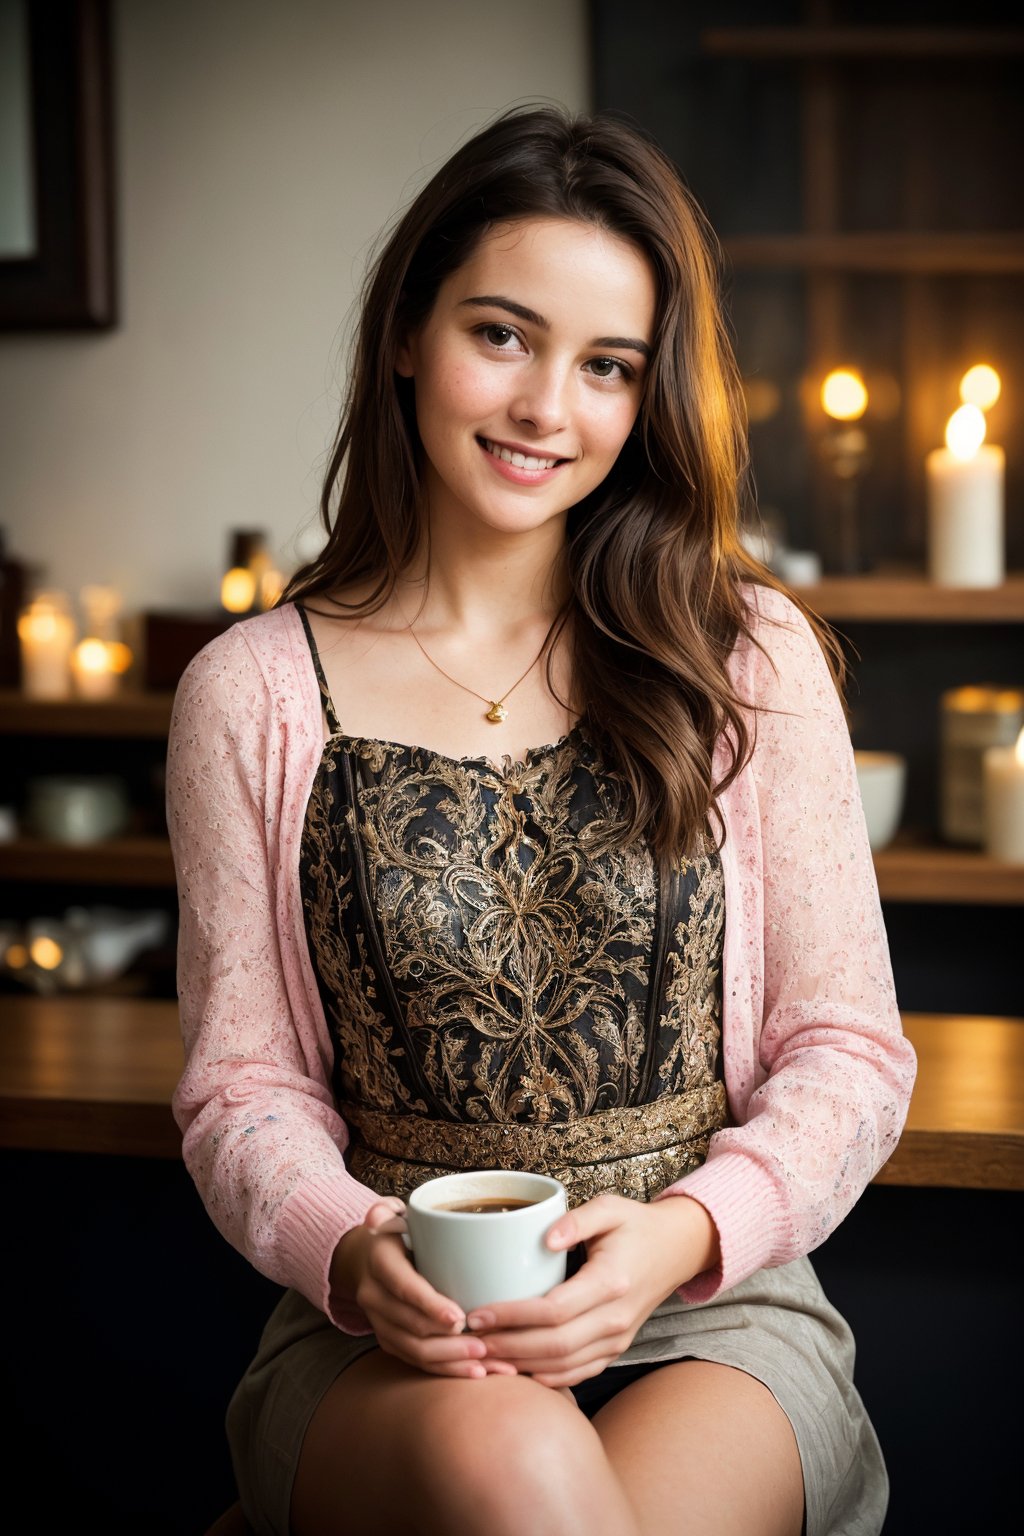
x=46, y=633
x=973, y=719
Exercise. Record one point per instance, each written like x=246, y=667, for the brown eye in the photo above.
x=499, y=335
x=609, y=368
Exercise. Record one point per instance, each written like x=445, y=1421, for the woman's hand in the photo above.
x=412, y=1321
x=636, y=1256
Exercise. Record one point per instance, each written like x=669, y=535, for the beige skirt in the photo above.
x=778, y=1326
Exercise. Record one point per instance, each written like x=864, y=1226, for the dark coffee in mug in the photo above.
x=493, y=1206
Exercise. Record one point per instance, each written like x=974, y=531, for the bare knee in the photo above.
x=394, y=1452
x=506, y=1455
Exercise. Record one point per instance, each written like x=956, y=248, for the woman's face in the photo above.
x=529, y=372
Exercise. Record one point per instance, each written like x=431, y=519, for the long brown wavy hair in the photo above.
x=654, y=563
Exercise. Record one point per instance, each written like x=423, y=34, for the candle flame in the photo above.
x=238, y=589
x=965, y=432
x=980, y=386
x=844, y=395
x=91, y=655
x=46, y=953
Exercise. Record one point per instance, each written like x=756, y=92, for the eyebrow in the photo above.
x=531, y=317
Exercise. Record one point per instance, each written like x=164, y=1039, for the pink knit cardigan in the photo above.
x=817, y=1069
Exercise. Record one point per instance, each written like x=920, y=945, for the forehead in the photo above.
x=561, y=267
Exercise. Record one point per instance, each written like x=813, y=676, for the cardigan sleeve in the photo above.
x=261, y=1137
x=832, y=1072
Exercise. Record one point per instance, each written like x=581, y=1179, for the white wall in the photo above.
x=261, y=145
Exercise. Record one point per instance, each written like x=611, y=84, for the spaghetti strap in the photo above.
x=333, y=724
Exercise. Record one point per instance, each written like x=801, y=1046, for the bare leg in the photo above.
x=392, y=1451
x=704, y=1450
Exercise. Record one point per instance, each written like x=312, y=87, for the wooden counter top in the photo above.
x=96, y=1075
x=89, y=1074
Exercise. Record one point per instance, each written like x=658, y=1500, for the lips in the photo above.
x=517, y=458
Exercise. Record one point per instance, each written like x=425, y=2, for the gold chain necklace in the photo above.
x=496, y=712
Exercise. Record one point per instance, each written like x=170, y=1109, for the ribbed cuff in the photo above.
x=310, y=1226
x=743, y=1202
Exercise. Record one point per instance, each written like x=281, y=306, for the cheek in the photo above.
x=613, y=425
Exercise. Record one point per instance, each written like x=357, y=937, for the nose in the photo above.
x=542, y=398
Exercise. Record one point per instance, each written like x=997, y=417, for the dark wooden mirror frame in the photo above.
x=69, y=283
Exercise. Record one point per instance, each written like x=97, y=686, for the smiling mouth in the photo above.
x=514, y=457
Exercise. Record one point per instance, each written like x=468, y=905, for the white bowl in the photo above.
x=882, y=777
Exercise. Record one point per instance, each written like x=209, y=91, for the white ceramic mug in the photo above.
x=882, y=778
x=479, y=1257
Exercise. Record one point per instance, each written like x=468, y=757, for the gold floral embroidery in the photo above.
x=480, y=962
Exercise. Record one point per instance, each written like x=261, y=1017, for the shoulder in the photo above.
x=781, y=657
x=238, y=680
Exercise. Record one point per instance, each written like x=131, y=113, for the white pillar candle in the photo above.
x=965, y=518
x=92, y=666
x=1004, y=802
x=46, y=631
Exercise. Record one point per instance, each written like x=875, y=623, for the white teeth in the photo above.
x=520, y=460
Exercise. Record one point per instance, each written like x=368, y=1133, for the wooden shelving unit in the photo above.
x=910, y=870
x=121, y=861
x=132, y=715
x=913, y=599
x=922, y=254
x=97, y=1075
x=837, y=42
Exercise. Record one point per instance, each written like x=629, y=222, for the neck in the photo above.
x=482, y=582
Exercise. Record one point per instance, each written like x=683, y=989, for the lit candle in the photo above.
x=92, y=667
x=238, y=589
x=965, y=505
x=46, y=631
x=1004, y=802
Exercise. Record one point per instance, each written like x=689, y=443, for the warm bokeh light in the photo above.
x=1018, y=750
x=45, y=952
x=965, y=432
x=40, y=623
x=238, y=589
x=844, y=395
x=980, y=386
x=120, y=656
x=92, y=655
x=16, y=957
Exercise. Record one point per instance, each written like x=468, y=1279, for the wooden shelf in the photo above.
x=993, y=253
x=89, y=1075
x=913, y=599
x=910, y=870
x=97, y=1075
x=144, y=715
x=965, y=1128
x=789, y=43
x=129, y=861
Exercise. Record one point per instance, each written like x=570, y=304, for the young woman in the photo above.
x=525, y=832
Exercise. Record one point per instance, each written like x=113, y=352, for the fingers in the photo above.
x=596, y=1338
x=397, y=1280
x=386, y=1209
x=602, y=1214
x=411, y=1320
x=597, y=1283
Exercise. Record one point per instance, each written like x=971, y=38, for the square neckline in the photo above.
x=508, y=763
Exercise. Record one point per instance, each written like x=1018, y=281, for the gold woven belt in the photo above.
x=636, y=1151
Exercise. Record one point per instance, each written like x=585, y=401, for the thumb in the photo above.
x=381, y=1216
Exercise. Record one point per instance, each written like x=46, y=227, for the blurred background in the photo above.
x=189, y=197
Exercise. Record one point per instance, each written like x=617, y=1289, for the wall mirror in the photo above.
x=57, y=268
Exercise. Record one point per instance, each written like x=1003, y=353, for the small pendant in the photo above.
x=497, y=712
